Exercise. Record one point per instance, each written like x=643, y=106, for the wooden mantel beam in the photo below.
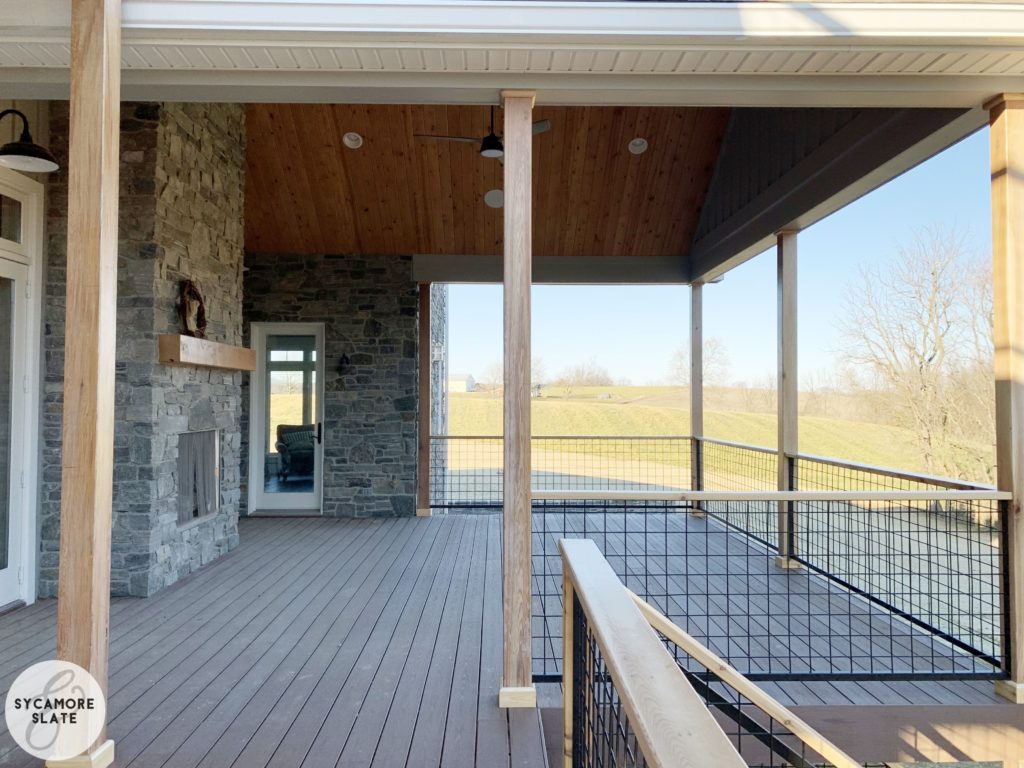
x=83, y=605
x=1006, y=137
x=517, y=688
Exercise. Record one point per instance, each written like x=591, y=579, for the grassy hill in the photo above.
x=664, y=411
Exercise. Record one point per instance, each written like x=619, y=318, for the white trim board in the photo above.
x=458, y=51
x=731, y=21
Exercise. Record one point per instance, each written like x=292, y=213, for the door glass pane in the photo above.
x=291, y=442
x=10, y=219
x=6, y=434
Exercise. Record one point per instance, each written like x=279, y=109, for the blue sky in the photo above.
x=632, y=331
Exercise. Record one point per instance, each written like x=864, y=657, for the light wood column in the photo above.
x=517, y=680
x=697, y=391
x=83, y=605
x=787, y=387
x=425, y=405
x=1006, y=139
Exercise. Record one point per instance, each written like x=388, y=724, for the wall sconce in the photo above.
x=24, y=154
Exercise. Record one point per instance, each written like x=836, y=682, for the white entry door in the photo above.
x=20, y=255
x=286, y=436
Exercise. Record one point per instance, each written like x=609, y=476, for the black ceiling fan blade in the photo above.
x=464, y=139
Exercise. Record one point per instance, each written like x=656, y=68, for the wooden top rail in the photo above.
x=671, y=723
x=728, y=674
x=806, y=496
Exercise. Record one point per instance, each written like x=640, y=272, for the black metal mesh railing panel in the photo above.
x=939, y=564
x=936, y=562
x=813, y=473
x=601, y=733
x=887, y=589
x=761, y=740
x=731, y=467
x=467, y=471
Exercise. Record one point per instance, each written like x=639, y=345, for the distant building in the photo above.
x=461, y=382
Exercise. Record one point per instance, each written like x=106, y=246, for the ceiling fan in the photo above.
x=490, y=145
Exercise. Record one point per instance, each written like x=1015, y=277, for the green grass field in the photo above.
x=664, y=411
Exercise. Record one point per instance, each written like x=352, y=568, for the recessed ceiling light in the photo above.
x=495, y=198
x=638, y=146
x=352, y=140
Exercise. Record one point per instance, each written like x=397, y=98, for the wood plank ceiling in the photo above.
x=307, y=193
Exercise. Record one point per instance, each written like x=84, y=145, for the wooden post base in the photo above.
x=517, y=698
x=423, y=512
x=1011, y=691
x=100, y=757
x=788, y=563
x=696, y=511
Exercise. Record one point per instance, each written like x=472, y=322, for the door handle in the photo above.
x=319, y=432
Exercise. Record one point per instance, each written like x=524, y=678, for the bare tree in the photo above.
x=588, y=374
x=921, y=335
x=716, y=363
x=538, y=372
x=494, y=377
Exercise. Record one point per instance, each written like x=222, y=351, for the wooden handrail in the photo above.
x=672, y=725
x=798, y=496
x=728, y=674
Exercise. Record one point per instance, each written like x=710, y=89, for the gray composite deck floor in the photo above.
x=340, y=643
x=316, y=643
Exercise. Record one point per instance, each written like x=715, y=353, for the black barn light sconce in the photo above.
x=24, y=154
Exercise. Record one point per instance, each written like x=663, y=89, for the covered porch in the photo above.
x=378, y=642
x=656, y=155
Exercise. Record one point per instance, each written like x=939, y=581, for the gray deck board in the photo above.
x=316, y=643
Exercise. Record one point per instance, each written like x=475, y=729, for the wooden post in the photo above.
x=83, y=605
x=425, y=404
x=787, y=389
x=1006, y=138
x=696, y=392
x=517, y=681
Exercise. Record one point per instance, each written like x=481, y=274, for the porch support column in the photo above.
x=425, y=405
x=517, y=689
x=1006, y=138
x=83, y=605
x=787, y=389
x=696, y=392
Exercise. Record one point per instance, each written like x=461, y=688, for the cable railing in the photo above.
x=630, y=702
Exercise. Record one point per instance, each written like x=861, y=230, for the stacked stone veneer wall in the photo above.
x=368, y=305
x=182, y=194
